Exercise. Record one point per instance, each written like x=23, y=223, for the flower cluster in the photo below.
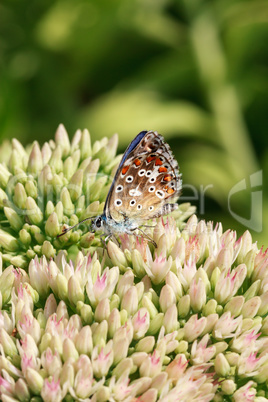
x=184, y=321
x=43, y=190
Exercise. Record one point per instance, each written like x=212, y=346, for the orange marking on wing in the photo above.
x=125, y=169
x=162, y=169
x=168, y=177
x=170, y=191
x=150, y=158
x=158, y=162
x=137, y=162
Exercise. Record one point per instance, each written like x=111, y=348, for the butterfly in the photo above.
x=146, y=185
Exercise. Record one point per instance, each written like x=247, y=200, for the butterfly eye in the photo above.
x=132, y=202
x=141, y=172
x=118, y=202
x=139, y=207
x=98, y=222
x=119, y=188
x=129, y=179
x=151, y=189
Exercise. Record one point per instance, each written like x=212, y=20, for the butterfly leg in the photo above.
x=147, y=237
x=148, y=226
x=104, y=239
x=115, y=240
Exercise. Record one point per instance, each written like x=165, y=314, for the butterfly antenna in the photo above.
x=65, y=230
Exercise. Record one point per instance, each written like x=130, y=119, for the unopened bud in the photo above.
x=221, y=365
x=35, y=163
x=52, y=226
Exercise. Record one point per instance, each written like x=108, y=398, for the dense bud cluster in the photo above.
x=184, y=321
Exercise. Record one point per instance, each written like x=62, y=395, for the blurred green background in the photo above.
x=196, y=71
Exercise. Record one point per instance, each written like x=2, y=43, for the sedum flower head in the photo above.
x=186, y=320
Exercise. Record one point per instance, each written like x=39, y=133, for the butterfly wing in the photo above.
x=146, y=181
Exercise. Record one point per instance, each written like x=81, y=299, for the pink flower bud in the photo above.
x=120, y=347
x=245, y=246
x=158, y=269
x=102, y=361
x=178, y=251
x=245, y=393
x=140, y=322
x=167, y=298
x=51, y=390
x=249, y=364
x=197, y=292
x=151, y=365
x=51, y=362
x=200, y=353
x=29, y=361
x=69, y=350
x=170, y=320
x=103, y=286
x=7, y=386
x=29, y=325
x=102, y=311
x=138, y=263
x=83, y=384
x=50, y=306
x=210, y=323
x=120, y=389
x=83, y=341
x=176, y=368
x=130, y=301
x=75, y=291
x=168, y=340
x=186, y=274
x=194, y=327
x=227, y=327
x=173, y=281
x=228, y=285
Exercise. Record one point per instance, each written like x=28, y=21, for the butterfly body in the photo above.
x=109, y=226
x=145, y=182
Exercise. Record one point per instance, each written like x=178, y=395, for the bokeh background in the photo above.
x=196, y=71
